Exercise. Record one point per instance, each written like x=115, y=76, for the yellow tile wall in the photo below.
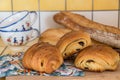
x=5, y=5
x=25, y=5
x=106, y=4
x=79, y=4
x=52, y=4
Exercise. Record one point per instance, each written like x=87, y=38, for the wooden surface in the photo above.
x=4, y=49
x=2, y=78
x=107, y=75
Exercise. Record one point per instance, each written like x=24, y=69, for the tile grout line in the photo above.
x=119, y=14
x=92, y=14
x=65, y=5
x=12, y=6
x=39, y=16
x=68, y=10
x=78, y=10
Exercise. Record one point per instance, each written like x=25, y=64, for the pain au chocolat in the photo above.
x=42, y=57
x=97, y=58
x=73, y=42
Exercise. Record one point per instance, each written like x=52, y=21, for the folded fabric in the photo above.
x=10, y=65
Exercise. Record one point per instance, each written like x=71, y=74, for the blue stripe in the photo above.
x=14, y=22
x=17, y=31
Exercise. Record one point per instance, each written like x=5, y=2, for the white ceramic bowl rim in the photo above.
x=27, y=12
x=18, y=30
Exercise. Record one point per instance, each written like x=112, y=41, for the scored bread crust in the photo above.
x=109, y=36
x=85, y=22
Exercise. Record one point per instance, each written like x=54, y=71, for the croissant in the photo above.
x=42, y=57
x=97, y=58
x=53, y=35
x=73, y=42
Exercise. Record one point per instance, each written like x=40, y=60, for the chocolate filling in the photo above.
x=81, y=61
x=89, y=61
x=78, y=50
x=86, y=68
x=65, y=54
x=81, y=43
x=41, y=64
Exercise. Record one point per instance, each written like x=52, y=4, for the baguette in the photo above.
x=108, y=37
x=83, y=21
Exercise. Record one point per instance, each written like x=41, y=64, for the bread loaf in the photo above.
x=97, y=58
x=42, y=57
x=104, y=35
x=73, y=42
x=85, y=22
x=53, y=35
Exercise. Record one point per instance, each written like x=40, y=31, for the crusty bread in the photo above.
x=97, y=58
x=42, y=57
x=53, y=35
x=73, y=42
x=83, y=21
x=102, y=33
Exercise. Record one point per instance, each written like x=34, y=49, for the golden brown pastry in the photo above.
x=53, y=35
x=28, y=55
x=42, y=57
x=102, y=33
x=73, y=42
x=97, y=58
